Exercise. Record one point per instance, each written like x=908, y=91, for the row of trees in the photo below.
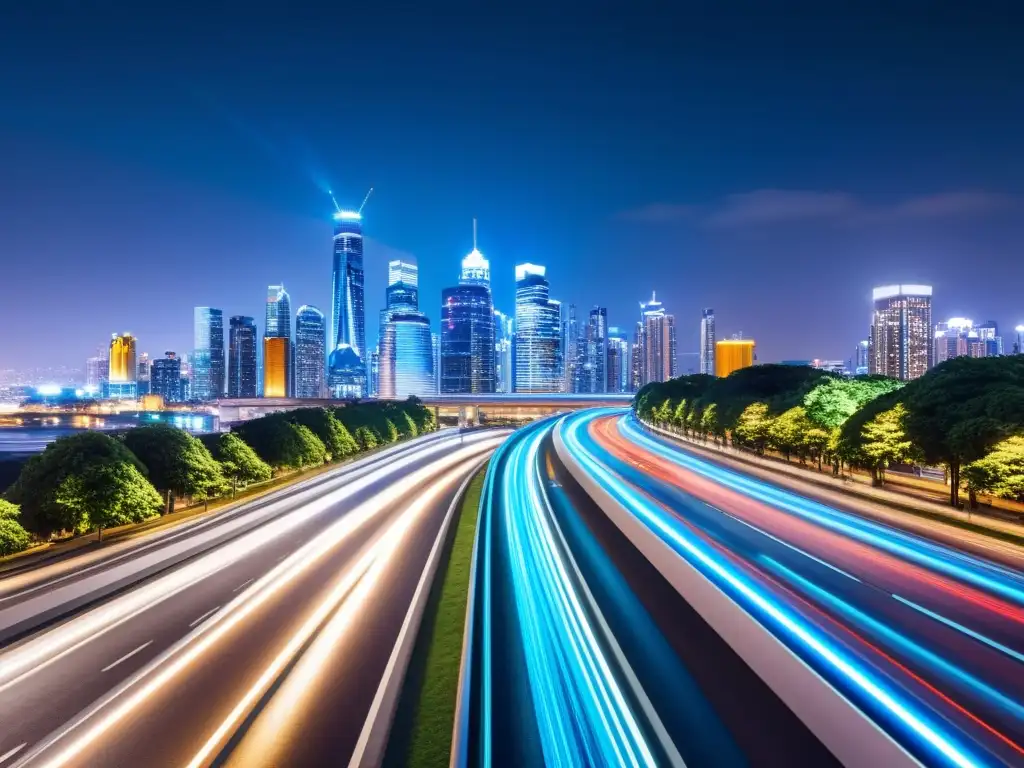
x=92, y=480
x=966, y=414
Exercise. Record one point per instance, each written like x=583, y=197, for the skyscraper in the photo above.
x=901, y=343
x=636, y=358
x=860, y=358
x=659, y=358
x=618, y=361
x=97, y=372
x=960, y=337
x=123, y=370
x=467, y=328
x=310, y=352
x=538, y=333
x=208, y=354
x=707, y=341
x=504, y=334
x=346, y=373
x=165, y=378
x=733, y=354
x=403, y=285
x=595, y=353
x=142, y=373
x=277, y=344
x=406, y=356
x=572, y=349
x=348, y=314
x=242, y=370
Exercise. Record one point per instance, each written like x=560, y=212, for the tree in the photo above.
x=679, y=415
x=366, y=438
x=961, y=408
x=390, y=431
x=753, y=427
x=177, y=462
x=325, y=425
x=816, y=442
x=885, y=442
x=108, y=495
x=37, y=485
x=309, y=449
x=1000, y=473
x=787, y=432
x=662, y=412
x=406, y=425
x=833, y=401
x=238, y=461
x=13, y=537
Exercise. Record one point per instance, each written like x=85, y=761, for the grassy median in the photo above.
x=422, y=733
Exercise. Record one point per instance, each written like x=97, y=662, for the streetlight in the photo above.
x=1019, y=329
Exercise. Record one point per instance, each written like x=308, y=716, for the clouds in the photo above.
x=766, y=207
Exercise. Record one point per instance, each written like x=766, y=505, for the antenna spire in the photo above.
x=333, y=200
x=365, y=199
x=474, y=233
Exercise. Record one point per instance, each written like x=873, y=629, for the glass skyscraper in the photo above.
x=593, y=359
x=618, y=361
x=242, y=369
x=538, y=338
x=277, y=344
x=310, y=352
x=467, y=329
x=348, y=313
x=659, y=334
x=707, y=341
x=208, y=354
x=121, y=384
x=165, y=378
x=901, y=345
x=406, y=356
x=504, y=335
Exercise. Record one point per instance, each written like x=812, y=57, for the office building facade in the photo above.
x=310, y=352
x=707, y=342
x=659, y=342
x=594, y=379
x=208, y=354
x=901, y=344
x=538, y=340
x=348, y=312
x=467, y=329
x=122, y=370
x=406, y=357
x=243, y=378
x=277, y=344
x=733, y=354
x=618, y=362
x=165, y=378
x=504, y=336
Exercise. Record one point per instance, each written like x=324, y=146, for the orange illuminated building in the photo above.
x=733, y=354
x=122, y=359
x=276, y=351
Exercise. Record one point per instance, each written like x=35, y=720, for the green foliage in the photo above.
x=309, y=449
x=753, y=427
x=833, y=401
x=13, y=537
x=406, y=425
x=885, y=441
x=107, y=495
x=238, y=461
x=1001, y=472
x=73, y=456
x=780, y=387
x=332, y=433
x=391, y=431
x=366, y=438
x=788, y=431
x=176, y=461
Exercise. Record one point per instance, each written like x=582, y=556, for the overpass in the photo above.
x=466, y=408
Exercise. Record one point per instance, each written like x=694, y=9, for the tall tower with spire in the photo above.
x=348, y=309
x=659, y=341
x=467, y=354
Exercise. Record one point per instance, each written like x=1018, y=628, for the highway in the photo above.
x=918, y=641
x=268, y=635
x=582, y=654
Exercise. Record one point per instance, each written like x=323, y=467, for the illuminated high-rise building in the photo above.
x=208, y=354
x=310, y=352
x=243, y=377
x=636, y=358
x=97, y=372
x=435, y=348
x=901, y=345
x=860, y=358
x=403, y=285
x=406, y=356
x=142, y=373
x=538, y=364
x=165, y=378
x=659, y=334
x=467, y=329
x=572, y=349
x=618, y=361
x=121, y=383
x=346, y=374
x=348, y=313
x=960, y=337
x=373, y=383
x=277, y=344
x=733, y=354
x=595, y=357
x=707, y=341
x=504, y=336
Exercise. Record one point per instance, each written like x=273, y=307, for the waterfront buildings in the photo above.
x=901, y=345
x=538, y=344
x=310, y=352
x=208, y=354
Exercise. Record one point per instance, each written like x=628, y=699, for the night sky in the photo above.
x=771, y=160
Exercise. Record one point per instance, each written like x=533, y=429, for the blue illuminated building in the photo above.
x=310, y=352
x=165, y=378
x=243, y=373
x=208, y=354
x=538, y=338
x=467, y=353
x=348, y=313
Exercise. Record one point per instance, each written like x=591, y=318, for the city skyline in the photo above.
x=733, y=202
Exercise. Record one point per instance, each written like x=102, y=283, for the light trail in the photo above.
x=79, y=734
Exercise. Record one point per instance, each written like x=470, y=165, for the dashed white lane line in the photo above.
x=126, y=656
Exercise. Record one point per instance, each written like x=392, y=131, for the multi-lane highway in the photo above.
x=269, y=635
x=635, y=603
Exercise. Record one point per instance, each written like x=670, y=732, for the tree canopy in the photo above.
x=176, y=461
x=237, y=460
x=13, y=537
x=282, y=443
x=1001, y=472
x=833, y=401
x=108, y=495
x=37, y=486
x=324, y=424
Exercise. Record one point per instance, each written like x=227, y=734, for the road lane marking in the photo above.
x=126, y=656
x=12, y=752
x=245, y=583
x=961, y=628
x=203, y=616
